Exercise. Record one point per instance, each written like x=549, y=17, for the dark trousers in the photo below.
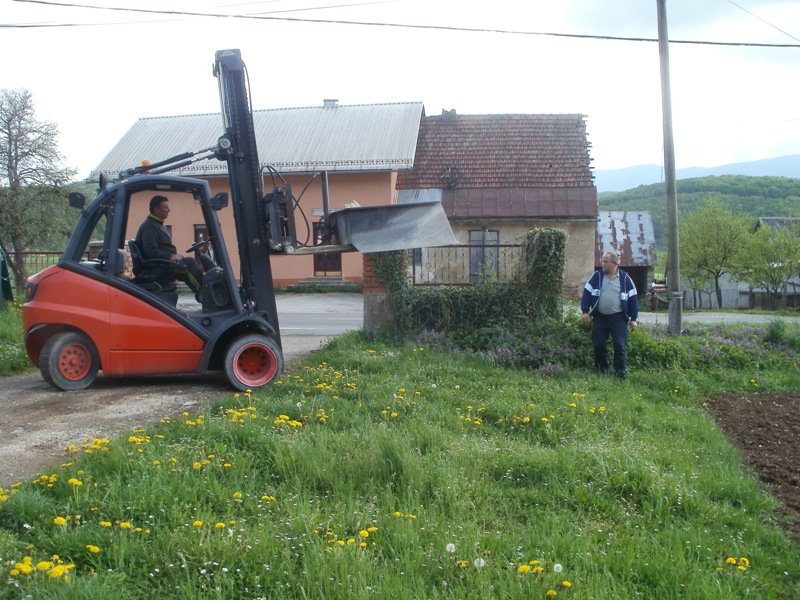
x=189, y=272
x=616, y=326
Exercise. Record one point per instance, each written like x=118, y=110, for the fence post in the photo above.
x=376, y=309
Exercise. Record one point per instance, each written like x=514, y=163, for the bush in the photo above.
x=13, y=358
x=647, y=353
x=533, y=293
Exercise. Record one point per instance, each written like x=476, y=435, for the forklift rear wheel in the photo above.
x=253, y=361
x=69, y=361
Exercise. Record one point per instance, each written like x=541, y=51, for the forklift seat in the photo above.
x=150, y=274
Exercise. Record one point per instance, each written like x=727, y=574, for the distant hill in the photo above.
x=752, y=196
x=618, y=180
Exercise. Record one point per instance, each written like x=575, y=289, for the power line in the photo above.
x=378, y=24
x=775, y=27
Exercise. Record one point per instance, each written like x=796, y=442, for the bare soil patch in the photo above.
x=766, y=429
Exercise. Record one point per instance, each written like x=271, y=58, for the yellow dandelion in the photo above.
x=523, y=569
x=92, y=548
x=220, y=525
x=58, y=571
x=59, y=521
x=197, y=523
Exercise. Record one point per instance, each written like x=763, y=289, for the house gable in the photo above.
x=504, y=166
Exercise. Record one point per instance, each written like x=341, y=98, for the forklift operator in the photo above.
x=155, y=242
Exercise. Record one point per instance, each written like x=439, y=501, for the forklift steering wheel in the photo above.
x=196, y=246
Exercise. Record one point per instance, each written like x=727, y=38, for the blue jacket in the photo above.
x=627, y=290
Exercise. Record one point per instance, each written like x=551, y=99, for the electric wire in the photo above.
x=381, y=24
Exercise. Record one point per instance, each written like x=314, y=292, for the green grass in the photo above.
x=381, y=471
x=13, y=358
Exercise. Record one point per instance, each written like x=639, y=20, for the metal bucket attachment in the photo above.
x=392, y=227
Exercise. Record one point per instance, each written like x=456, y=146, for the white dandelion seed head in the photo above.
x=479, y=563
x=557, y=568
x=450, y=548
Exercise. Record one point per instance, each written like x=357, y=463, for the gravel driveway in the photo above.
x=38, y=422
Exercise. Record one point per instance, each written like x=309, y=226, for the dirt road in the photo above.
x=38, y=422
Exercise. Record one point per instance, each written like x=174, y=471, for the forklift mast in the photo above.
x=237, y=146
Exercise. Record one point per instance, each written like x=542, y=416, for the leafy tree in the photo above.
x=31, y=180
x=710, y=241
x=770, y=259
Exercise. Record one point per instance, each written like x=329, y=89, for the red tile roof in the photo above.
x=505, y=165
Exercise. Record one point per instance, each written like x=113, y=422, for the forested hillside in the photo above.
x=752, y=196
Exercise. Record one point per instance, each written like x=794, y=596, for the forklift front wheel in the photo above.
x=69, y=361
x=253, y=361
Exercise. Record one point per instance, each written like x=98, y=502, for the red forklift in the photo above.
x=88, y=314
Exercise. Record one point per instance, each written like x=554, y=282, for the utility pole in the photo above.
x=673, y=248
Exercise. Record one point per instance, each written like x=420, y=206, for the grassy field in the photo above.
x=374, y=470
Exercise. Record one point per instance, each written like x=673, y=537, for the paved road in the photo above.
x=311, y=314
x=662, y=318
x=319, y=314
x=334, y=314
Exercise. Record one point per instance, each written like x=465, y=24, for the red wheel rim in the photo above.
x=255, y=365
x=74, y=362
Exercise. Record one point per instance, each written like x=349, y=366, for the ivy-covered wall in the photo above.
x=534, y=292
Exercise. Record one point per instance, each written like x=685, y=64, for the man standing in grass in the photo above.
x=610, y=298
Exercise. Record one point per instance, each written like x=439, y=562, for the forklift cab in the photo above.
x=115, y=216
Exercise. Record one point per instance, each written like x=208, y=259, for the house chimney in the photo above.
x=330, y=103
x=449, y=115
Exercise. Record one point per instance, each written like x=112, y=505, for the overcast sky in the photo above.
x=102, y=70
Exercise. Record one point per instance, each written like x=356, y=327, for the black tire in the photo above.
x=252, y=361
x=69, y=361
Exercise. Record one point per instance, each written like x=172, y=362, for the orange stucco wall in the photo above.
x=367, y=189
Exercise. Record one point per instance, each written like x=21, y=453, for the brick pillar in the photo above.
x=376, y=310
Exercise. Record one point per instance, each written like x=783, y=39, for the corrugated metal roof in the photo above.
x=358, y=137
x=779, y=222
x=629, y=233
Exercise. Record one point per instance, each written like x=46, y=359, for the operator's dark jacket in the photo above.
x=627, y=291
x=154, y=240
